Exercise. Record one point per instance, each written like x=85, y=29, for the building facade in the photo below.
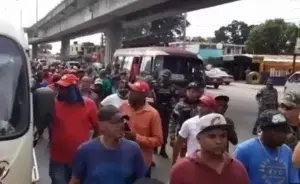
x=210, y=50
x=86, y=49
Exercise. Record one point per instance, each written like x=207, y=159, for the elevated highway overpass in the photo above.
x=75, y=18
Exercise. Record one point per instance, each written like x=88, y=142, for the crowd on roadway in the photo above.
x=106, y=126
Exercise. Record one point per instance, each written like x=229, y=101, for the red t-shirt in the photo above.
x=71, y=127
x=190, y=170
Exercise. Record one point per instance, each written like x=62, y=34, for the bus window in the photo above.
x=145, y=68
x=120, y=60
x=14, y=90
x=181, y=67
x=127, y=63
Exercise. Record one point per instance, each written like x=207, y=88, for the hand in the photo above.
x=172, y=143
x=130, y=135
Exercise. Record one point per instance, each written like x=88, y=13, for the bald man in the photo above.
x=85, y=88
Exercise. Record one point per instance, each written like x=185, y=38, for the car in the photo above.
x=212, y=79
x=72, y=64
x=227, y=79
x=292, y=83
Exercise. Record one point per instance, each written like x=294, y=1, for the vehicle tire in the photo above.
x=227, y=83
x=216, y=86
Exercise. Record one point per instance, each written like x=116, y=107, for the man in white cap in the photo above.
x=212, y=163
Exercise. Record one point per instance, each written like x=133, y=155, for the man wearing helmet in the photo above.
x=184, y=110
x=165, y=94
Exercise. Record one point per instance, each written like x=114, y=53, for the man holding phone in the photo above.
x=145, y=124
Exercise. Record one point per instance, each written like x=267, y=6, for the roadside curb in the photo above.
x=255, y=86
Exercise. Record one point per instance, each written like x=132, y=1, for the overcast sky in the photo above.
x=203, y=22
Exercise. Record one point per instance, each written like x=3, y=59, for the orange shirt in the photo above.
x=146, y=123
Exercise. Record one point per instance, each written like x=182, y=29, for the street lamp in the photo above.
x=296, y=51
x=37, y=10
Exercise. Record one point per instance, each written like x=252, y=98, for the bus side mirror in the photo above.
x=43, y=108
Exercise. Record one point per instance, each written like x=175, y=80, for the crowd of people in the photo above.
x=106, y=127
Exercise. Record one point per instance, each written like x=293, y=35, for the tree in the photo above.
x=272, y=37
x=158, y=32
x=236, y=32
x=44, y=48
x=198, y=39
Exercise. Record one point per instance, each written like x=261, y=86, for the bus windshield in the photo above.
x=14, y=96
x=181, y=67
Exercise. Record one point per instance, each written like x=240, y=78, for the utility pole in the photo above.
x=37, y=10
x=21, y=17
x=296, y=51
x=102, y=39
x=184, y=30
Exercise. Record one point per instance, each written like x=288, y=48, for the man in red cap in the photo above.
x=186, y=133
x=145, y=124
x=74, y=116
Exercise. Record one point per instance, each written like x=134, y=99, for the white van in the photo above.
x=293, y=83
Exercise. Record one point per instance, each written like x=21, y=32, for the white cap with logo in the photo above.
x=213, y=120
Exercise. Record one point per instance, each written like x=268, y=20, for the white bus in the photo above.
x=17, y=158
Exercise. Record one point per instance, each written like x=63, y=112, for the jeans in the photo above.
x=148, y=173
x=59, y=173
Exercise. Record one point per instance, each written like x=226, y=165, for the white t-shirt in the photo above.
x=114, y=100
x=189, y=130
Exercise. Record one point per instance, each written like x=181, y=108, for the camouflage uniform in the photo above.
x=267, y=99
x=181, y=112
x=291, y=100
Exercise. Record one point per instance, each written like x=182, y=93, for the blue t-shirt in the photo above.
x=43, y=84
x=265, y=166
x=94, y=164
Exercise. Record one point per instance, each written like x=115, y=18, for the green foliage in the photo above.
x=158, y=32
x=236, y=33
x=272, y=37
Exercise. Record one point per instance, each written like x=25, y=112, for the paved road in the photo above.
x=242, y=109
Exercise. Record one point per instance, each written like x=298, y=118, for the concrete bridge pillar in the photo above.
x=65, y=49
x=34, y=51
x=113, y=36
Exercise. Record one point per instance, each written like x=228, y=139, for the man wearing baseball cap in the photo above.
x=74, y=116
x=222, y=106
x=145, y=123
x=290, y=107
x=185, y=109
x=267, y=158
x=210, y=164
x=109, y=158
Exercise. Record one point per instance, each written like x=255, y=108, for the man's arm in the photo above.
x=140, y=166
x=296, y=155
x=181, y=139
x=293, y=173
x=258, y=94
x=174, y=118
